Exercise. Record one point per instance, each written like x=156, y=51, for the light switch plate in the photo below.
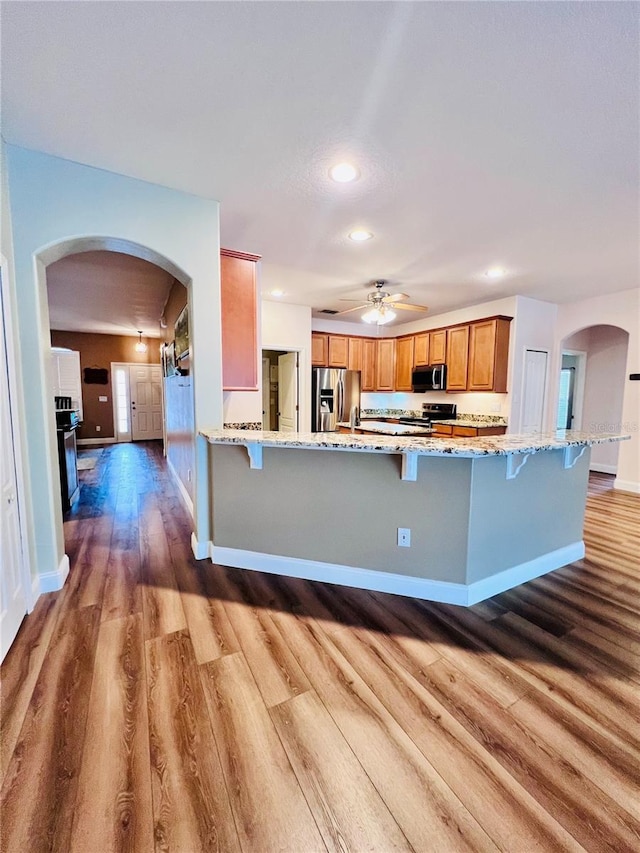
x=102, y=399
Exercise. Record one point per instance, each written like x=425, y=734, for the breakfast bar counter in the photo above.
x=480, y=515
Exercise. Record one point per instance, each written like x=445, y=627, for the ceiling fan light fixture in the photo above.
x=379, y=315
x=140, y=344
x=360, y=235
x=343, y=173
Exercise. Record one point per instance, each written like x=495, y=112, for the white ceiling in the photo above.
x=485, y=133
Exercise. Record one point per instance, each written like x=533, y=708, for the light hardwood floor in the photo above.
x=159, y=703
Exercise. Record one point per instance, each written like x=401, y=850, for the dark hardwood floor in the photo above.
x=159, y=703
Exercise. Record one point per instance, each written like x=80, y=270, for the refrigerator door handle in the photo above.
x=340, y=401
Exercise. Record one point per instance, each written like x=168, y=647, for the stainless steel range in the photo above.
x=433, y=412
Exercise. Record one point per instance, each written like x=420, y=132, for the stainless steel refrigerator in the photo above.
x=335, y=393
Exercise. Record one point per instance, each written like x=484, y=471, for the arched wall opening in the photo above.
x=600, y=388
x=53, y=207
x=43, y=259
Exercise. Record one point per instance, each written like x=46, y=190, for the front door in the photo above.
x=13, y=597
x=288, y=392
x=145, y=381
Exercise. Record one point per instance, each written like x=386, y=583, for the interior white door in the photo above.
x=288, y=392
x=534, y=389
x=13, y=596
x=145, y=381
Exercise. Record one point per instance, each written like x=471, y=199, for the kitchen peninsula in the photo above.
x=484, y=514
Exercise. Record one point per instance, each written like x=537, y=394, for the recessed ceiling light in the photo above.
x=495, y=273
x=343, y=173
x=360, y=235
x=277, y=292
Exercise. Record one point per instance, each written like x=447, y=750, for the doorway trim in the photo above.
x=31, y=586
x=579, y=384
x=287, y=350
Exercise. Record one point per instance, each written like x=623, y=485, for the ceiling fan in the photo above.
x=381, y=305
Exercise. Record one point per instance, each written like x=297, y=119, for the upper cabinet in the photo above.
x=438, y=346
x=386, y=364
x=457, y=358
x=369, y=364
x=404, y=363
x=238, y=286
x=489, y=355
x=421, y=350
x=338, y=351
x=476, y=355
x=319, y=349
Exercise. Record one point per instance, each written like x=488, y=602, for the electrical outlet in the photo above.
x=98, y=429
x=404, y=537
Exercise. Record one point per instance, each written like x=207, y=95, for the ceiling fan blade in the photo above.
x=411, y=307
x=349, y=310
x=395, y=297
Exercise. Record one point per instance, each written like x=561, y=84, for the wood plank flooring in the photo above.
x=157, y=703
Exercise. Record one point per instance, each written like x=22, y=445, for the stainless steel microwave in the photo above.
x=432, y=378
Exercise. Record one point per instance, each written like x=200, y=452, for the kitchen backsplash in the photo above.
x=244, y=425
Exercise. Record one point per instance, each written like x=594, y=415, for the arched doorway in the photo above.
x=44, y=258
x=591, y=387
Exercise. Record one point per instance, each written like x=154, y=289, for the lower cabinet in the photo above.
x=467, y=432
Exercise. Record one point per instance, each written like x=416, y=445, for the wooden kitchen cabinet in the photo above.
x=467, y=431
x=421, y=350
x=369, y=364
x=457, y=358
x=354, y=354
x=438, y=346
x=385, y=364
x=238, y=286
x=489, y=355
x=404, y=363
x=319, y=349
x=338, y=350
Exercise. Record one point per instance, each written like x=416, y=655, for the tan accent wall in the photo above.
x=100, y=351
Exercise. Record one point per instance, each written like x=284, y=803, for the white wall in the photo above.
x=621, y=310
x=288, y=327
x=58, y=207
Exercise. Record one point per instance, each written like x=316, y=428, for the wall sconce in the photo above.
x=140, y=345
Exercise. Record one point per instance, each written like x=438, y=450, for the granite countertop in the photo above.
x=390, y=429
x=495, y=445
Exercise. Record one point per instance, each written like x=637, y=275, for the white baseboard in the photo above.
x=86, y=441
x=626, y=485
x=200, y=550
x=603, y=469
x=53, y=581
x=184, y=494
x=430, y=590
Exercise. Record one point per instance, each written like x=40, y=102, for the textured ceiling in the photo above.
x=485, y=133
x=107, y=292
